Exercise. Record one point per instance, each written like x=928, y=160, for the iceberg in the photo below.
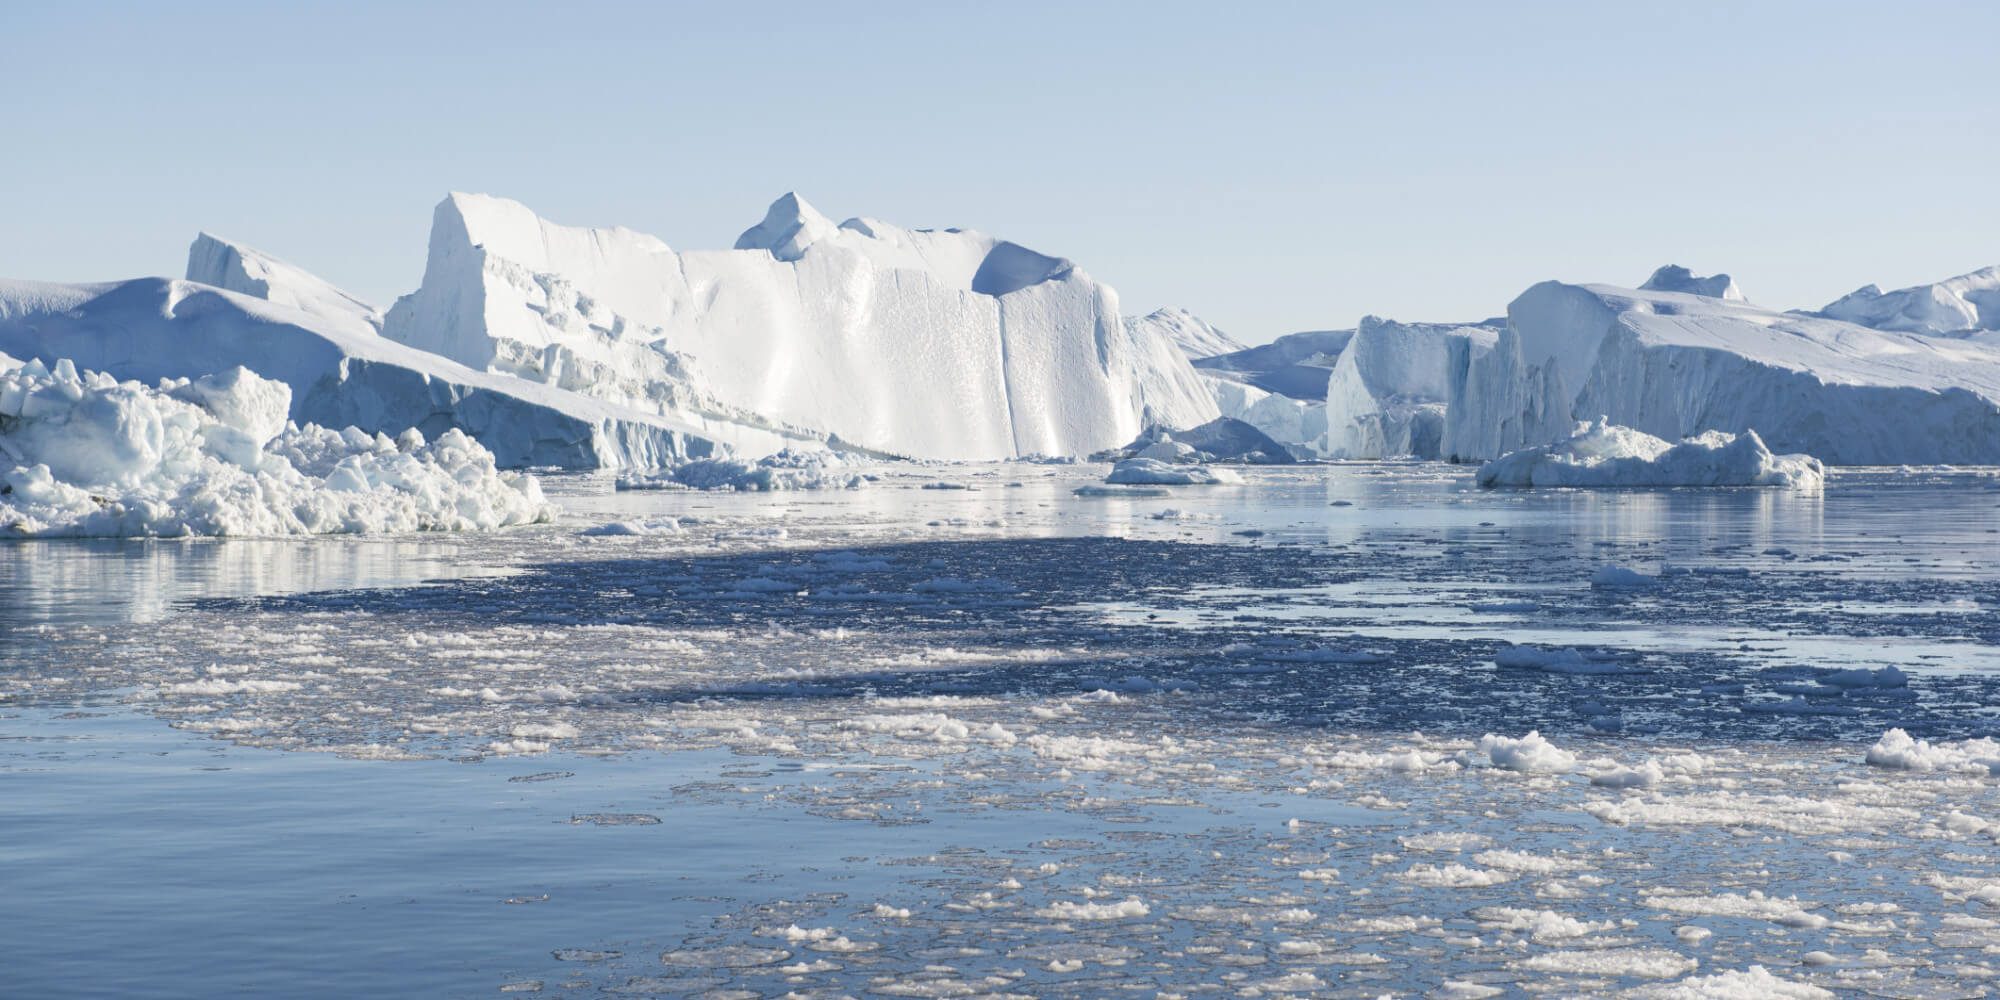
x=83, y=454
x=1673, y=365
x=1295, y=365
x=945, y=344
x=1388, y=392
x=341, y=371
x=1965, y=306
x=1603, y=455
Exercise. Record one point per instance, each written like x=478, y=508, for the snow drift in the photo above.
x=1601, y=454
x=1387, y=394
x=930, y=343
x=1673, y=365
x=86, y=454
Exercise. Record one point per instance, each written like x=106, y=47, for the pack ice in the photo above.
x=929, y=343
x=86, y=454
x=1673, y=364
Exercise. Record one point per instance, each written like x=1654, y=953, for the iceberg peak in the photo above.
x=790, y=225
x=1675, y=278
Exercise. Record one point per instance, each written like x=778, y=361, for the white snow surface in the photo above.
x=1966, y=305
x=1388, y=391
x=1674, y=365
x=86, y=454
x=1194, y=336
x=929, y=343
x=1604, y=455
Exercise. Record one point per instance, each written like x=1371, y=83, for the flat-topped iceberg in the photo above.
x=84, y=454
x=1600, y=454
x=929, y=343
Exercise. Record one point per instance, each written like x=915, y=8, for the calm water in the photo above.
x=957, y=742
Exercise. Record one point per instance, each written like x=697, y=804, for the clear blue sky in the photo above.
x=1271, y=166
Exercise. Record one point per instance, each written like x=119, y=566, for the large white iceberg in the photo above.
x=1967, y=305
x=1602, y=454
x=82, y=453
x=929, y=343
x=1673, y=365
x=1388, y=391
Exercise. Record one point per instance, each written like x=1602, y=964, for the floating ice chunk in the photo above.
x=1453, y=876
x=1152, y=472
x=1650, y=963
x=1753, y=983
x=1610, y=577
x=654, y=526
x=785, y=470
x=1123, y=910
x=1530, y=753
x=1564, y=660
x=1541, y=925
x=1898, y=750
x=1785, y=911
x=1862, y=677
x=1645, y=775
x=1601, y=454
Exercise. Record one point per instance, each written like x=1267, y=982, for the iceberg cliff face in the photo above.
x=931, y=343
x=1675, y=365
x=1967, y=305
x=1388, y=392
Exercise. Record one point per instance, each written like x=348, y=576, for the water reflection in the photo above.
x=105, y=581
